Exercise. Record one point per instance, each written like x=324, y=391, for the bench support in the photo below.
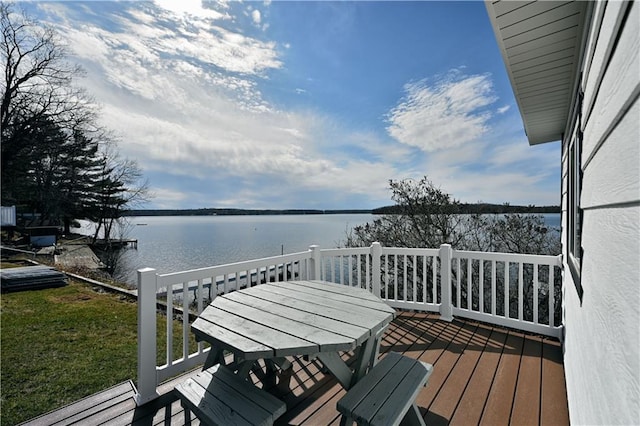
x=217, y=396
x=387, y=394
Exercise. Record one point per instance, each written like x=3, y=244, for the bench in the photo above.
x=217, y=396
x=387, y=394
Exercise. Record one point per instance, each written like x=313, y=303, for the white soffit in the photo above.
x=540, y=43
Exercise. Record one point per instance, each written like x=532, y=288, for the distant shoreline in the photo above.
x=463, y=209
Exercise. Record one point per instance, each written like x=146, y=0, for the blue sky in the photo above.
x=282, y=104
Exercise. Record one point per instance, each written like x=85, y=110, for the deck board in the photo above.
x=472, y=403
x=526, y=403
x=553, y=407
x=482, y=374
x=500, y=401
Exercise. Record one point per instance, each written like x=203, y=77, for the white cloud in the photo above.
x=256, y=17
x=192, y=8
x=444, y=114
x=504, y=109
x=182, y=89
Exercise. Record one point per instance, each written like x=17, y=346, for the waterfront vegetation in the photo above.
x=60, y=345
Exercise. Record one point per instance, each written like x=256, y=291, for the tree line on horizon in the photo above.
x=462, y=208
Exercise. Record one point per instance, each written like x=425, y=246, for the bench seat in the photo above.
x=217, y=396
x=387, y=394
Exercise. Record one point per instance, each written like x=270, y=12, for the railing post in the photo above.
x=376, y=254
x=316, y=262
x=147, y=375
x=446, y=311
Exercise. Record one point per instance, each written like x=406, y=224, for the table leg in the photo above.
x=337, y=367
x=215, y=356
x=244, y=368
x=367, y=356
x=363, y=360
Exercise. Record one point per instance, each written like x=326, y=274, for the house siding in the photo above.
x=602, y=331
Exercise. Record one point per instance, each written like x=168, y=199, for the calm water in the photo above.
x=178, y=243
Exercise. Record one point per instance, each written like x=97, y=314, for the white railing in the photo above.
x=513, y=290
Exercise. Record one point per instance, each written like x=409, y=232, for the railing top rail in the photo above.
x=213, y=271
x=345, y=251
x=511, y=257
x=411, y=251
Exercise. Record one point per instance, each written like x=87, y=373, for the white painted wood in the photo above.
x=619, y=90
x=604, y=184
x=147, y=382
x=350, y=319
x=604, y=329
x=604, y=29
x=446, y=254
x=534, y=16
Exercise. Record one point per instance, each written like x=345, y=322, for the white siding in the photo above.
x=602, y=340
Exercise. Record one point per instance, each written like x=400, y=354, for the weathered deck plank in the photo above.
x=482, y=374
x=473, y=400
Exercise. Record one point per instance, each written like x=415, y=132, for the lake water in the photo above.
x=178, y=243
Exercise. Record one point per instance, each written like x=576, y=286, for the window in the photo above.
x=574, y=187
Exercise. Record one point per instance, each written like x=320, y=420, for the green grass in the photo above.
x=60, y=345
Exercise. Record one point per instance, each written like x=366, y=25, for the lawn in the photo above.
x=60, y=345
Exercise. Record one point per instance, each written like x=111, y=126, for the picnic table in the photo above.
x=295, y=318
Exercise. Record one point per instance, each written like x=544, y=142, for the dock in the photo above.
x=118, y=243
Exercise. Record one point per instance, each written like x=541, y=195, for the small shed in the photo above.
x=8, y=216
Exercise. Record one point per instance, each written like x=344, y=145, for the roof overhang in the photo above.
x=541, y=44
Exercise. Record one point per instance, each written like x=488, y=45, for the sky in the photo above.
x=305, y=105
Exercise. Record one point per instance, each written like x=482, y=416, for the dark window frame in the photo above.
x=574, y=190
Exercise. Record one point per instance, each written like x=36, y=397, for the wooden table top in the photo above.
x=292, y=318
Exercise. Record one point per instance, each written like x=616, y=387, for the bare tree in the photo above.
x=117, y=187
x=428, y=217
x=37, y=94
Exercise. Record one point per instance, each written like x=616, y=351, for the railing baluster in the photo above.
x=169, y=354
x=481, y=285
x=405, y=279
x=507, y=305
x=415, y=278
x=395, y=277
x=493, y=287
x=458, y=284
x=185, y=320
x=536, y=293
x=200, y=305
x=386, y=276
x=434, y=279
x=520, y=290
x=551, y=296
x=469, y=285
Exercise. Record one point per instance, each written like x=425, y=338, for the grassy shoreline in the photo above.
x=62, y=344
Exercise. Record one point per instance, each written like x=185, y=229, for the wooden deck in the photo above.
x=482, y=375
